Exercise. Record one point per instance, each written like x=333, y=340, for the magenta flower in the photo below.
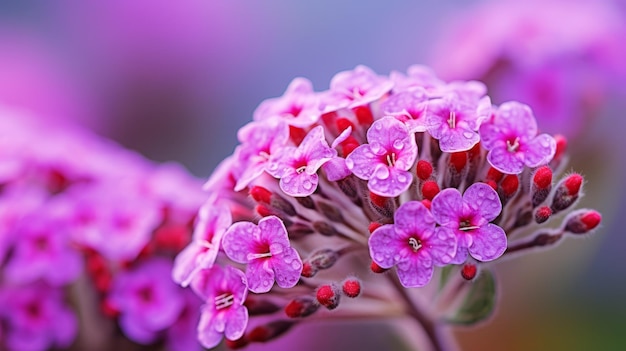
x=468, y=219
x=43, y=251
x=224, y=290
x=266, y=250
x=148, y=301
x=358, y=87
x=385, y=160
x=299, y=106
x=454, y=122
x=296, y=167
x=412, y=245
x=37, y=319
x=512, y=140
x=202, y=251
x=117, y=224
x=408, y=107
x=260, y=140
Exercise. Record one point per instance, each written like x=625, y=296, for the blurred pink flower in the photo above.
x=560, y=57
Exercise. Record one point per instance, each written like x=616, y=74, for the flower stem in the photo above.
x=431, y=328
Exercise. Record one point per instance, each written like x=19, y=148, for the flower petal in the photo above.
x=416, y=271
x=298, y=184
x=389, y=181
x=540, y=150
x=208, y=336
x=260, y=275
x=442, y=246
x=413, y=218
x=287, y=268
x=236, y=323
x=239, y=240
x=362, y=162
x=384, y=244
x=447, y=206
x=481, y=198
x=488, y=243
x=505, y=161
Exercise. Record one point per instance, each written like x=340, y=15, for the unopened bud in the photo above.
x=494, y=174
x=509, y=185
x=364, y=115
x=542, y=214
x=269, y=331
x=430, y=188
x=351, y=287
x=427, y=203
x=373, y=226
x=306, y=202
x=302, y=306
x=328, y=296
x=561, y=147
x=330, y=211
x=308, y=271
x=567, y=192
x=378, y=200
x=374, y=267
x=342, y=124
x=237, y=344
x=469, y=270
x=324, y=228
x=424, y=169
x=260, y=306
x=582, y=221
x=323, y=259
x=260, y=194
x=541, y=185
x=458, y=160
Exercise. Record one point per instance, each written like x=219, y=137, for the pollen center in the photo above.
x=391, y=159
x=512, y=146
x=452, y=120
x=224, y=300
x=415, y=244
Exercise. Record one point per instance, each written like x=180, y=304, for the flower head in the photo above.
x=265, y=248
x=511, y=138
x=385, y=160
x=205, y=245
x=412, y=245
x=296, y=167
x=224, y=290
x=298, y=107
x=148, y=301
x=467, y=217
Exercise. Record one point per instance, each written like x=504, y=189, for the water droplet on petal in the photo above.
x=468, y=135
x=382, y=173
x=398, y=144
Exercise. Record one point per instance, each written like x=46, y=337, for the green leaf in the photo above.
x=479, y=302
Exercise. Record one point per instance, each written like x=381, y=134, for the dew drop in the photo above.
x=468, y=135
x=398, y=144
x=382, y=173
x=307, y=185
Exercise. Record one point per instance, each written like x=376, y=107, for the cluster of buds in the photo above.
x=405, y=173
x=84, y=221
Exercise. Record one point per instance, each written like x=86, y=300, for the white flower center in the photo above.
x=415, y=244
x=452, y=120
x=391, y=159
x=512, y=147
x=224, y=300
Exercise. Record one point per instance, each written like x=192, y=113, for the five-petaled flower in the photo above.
x=202, y=251
x=467, y=217
x=511, y=138
x=266, y=249
x=385, y=160
x=299, y=106
x=296, y=167
x=412, y=245
x=224, y=290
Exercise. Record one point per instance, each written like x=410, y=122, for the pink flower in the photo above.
x=296, y=167
x=36, y=318
x=43, y=251
x=408, y=107
x=266, y=250
x=202, y=251
x=512, y=140
x=148, y=301
x=412, y=245
x=468, y=219
x=224, y=290
x=260, y=140
x=350, y=89
x=298, y=107
x=454, y=122
x=385, y=160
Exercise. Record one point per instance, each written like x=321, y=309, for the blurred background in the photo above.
x=175, y=80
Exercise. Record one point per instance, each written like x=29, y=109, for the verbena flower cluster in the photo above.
x=84, y=222
x=403, y=172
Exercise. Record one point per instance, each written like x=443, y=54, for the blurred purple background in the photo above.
x=174, y=80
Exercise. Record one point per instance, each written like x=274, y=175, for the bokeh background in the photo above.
x=174, y=80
